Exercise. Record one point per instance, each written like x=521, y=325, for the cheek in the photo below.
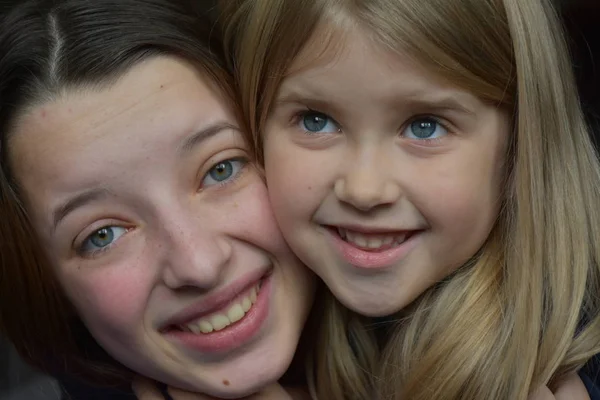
x=463, y=199
x=296, y=179
x=251, y=218
x=112, y=300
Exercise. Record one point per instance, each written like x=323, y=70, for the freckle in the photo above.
x=225, y=382
x=43, y=113
x=162, y=86
x=310, y=188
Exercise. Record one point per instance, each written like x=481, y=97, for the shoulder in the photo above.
x=572, y=388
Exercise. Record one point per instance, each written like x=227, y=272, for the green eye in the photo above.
x=102, y=239
x=223, y=172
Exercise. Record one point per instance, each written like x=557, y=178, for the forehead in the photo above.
x=346, y=45
x=352, y=59
x=162, y=94
x=90, y=136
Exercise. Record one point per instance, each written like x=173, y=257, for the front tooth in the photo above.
x=374, y=243
x=388, y=240
x=253, y=295
x=205, y=327
x=359, y=240
x=219, y=322
x=235, y=313
x=246, y=304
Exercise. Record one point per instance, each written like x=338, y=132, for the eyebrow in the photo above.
x=194, y=140
x=448, y=101
x=77, y=201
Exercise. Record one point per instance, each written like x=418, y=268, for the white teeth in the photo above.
x=205, y=327
x=194, y=328
x=374, y=243
x=246, y=304
x=235, y=313
x=371, y=241
x=357, y=238
x=219, y=321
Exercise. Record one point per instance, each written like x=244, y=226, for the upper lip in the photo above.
x=217, y=300
x=370, y=229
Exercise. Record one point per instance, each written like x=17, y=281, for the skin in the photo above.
x=341, y=150
x=570, y=388
x=186, y=216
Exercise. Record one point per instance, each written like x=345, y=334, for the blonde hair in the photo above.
x=525, y=310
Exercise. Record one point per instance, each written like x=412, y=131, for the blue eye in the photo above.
x=102, y=239
x=222, y=172
x=316, y=122
x=425, y=128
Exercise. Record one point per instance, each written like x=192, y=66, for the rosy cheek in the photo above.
x=111, y=298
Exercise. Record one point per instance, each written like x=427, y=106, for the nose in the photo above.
x=368, y=183
x=195, y=257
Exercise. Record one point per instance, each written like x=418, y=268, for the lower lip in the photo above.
x=377, y=259
x=235, y=335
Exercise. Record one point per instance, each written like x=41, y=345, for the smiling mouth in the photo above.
x=217, y=321
x=374, y=242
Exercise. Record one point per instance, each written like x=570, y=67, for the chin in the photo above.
x=245, y=376
x=368, y=306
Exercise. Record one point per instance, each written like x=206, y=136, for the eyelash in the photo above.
x=298, y=115
x=439, y=121
x=98, y=252
x=229, y=181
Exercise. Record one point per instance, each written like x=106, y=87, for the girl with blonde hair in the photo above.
x=429, y=161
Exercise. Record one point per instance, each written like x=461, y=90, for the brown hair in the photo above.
x=48, y=46
x=525, y=310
